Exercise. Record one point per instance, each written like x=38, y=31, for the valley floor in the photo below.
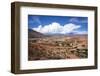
x=57, y=47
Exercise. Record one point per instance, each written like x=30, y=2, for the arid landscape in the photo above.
x=44, y=47
x=52, y=37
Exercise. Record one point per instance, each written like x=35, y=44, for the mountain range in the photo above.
x=34, y=34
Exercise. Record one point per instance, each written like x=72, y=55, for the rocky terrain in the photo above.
x=57, y=47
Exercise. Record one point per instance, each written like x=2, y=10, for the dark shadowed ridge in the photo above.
x=35, y=34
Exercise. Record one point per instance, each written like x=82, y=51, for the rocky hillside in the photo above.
x=34, y=34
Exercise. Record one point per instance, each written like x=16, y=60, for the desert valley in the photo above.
x=44, y=47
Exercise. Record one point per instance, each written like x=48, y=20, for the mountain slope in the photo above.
x=34, y=34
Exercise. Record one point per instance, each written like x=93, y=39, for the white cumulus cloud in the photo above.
x=56, y=28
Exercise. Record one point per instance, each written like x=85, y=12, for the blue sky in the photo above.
x=58, y=24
